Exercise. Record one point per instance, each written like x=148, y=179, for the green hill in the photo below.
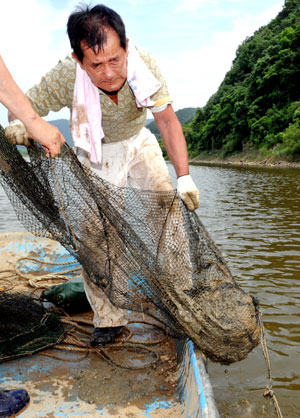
x=184, y=115
x=257, y=106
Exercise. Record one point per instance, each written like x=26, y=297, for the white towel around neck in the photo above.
x=86, y=124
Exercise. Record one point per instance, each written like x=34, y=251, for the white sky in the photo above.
x=194, y=41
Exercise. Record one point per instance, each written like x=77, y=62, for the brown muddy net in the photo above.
x=144, y=249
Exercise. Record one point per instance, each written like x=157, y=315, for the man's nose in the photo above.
x=108, y=73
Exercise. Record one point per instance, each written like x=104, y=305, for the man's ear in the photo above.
x=127, y=43
x=77, y=59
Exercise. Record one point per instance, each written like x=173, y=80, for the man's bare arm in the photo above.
x=174, y=141
x=20, y=107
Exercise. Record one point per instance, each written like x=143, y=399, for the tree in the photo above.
x=253, y=103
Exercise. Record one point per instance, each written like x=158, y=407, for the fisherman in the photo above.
x=13, y=402
x=109, y=84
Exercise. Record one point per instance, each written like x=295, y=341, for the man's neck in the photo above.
x=111, y=93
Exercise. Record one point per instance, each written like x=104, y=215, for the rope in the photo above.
x=79, y=346
x=6, y=282
x=36, y=281
x=159, y=341
x=135, y=347
x=269, y=392
x=73, y=343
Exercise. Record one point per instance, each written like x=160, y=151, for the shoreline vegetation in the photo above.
x=244, y=159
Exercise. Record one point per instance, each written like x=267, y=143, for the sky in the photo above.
x=193, y=41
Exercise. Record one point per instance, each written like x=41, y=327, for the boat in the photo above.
x=64, y=383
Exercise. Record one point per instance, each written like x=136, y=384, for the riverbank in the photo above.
x=243, y=159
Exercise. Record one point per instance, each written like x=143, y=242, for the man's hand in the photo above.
x=16, y=133
x=38, y=130
x=47, y=135
x=188, y=192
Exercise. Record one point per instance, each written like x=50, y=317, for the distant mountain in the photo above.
x=64, y=127
x=184, y=115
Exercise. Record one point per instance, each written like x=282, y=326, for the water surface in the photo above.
x=253, y=214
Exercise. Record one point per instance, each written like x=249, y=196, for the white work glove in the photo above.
x=188, y=192
x=16, y=133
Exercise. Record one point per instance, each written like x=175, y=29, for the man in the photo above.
x=13, y=402
x=38, y=129
x=109, y=84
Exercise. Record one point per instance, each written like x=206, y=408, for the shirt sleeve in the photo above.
x=162, y=97
x=55, y=90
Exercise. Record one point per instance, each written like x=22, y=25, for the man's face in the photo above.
x=108, y=67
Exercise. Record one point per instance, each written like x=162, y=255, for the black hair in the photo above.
x=91, y=26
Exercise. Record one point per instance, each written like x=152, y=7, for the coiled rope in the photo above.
x=72, y=340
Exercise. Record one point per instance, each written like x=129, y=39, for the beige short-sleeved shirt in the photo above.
x=119, y=121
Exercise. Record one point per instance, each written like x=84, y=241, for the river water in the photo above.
x=253, y=215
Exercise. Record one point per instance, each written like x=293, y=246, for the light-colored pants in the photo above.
x=136, y=162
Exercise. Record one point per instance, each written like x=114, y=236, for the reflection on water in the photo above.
x=253, y=216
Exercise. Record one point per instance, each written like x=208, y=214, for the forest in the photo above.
x=257, y=106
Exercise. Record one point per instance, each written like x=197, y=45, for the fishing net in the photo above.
x=26, y=327
x=144, y=249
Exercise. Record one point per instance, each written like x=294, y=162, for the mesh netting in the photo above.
x=144, y=249
x=26, y=327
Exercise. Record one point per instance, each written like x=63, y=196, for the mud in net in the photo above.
x=144, y=249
